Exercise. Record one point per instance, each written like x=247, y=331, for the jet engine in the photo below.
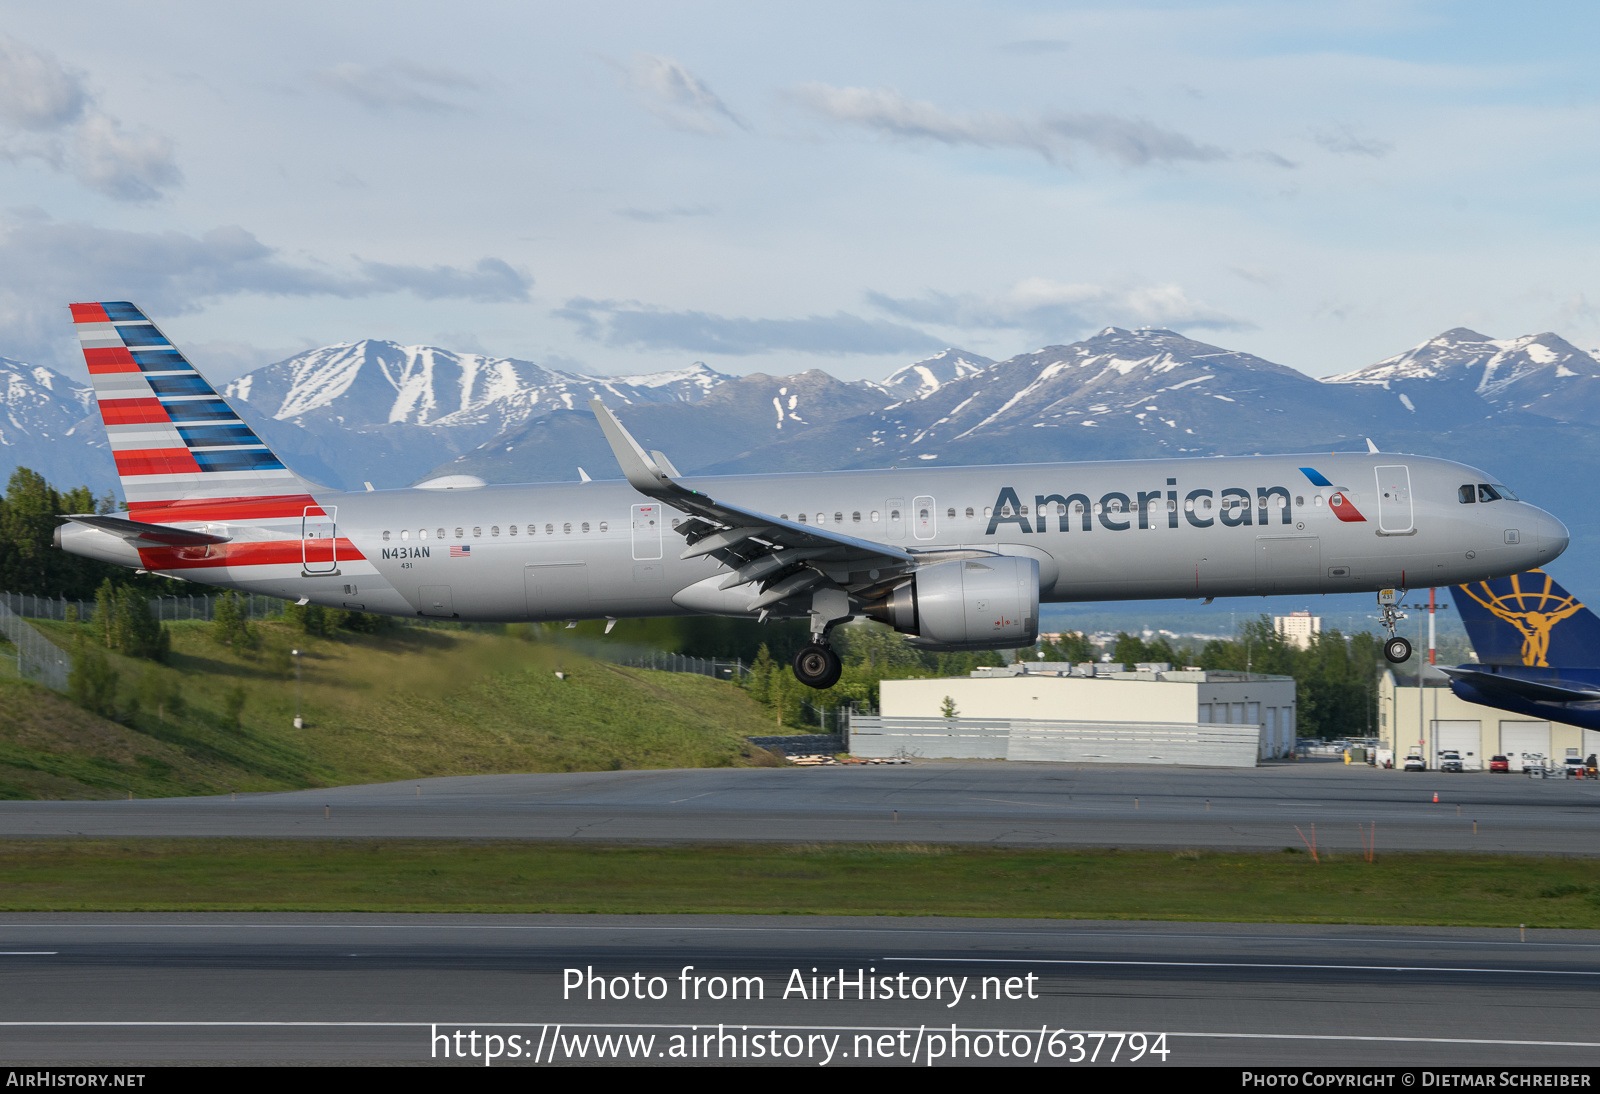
x=989, y=603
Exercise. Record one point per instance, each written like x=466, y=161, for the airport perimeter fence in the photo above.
x=715, y=667
x=38, y=659
x=166, y=609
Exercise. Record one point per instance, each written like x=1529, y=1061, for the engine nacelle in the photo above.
x=989, y=603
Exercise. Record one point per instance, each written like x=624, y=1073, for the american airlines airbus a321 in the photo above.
x=957, y=558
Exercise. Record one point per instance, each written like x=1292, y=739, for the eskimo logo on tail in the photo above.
x=1514, y=620
x=172, y=435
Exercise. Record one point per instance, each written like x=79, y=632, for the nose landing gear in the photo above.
x=1396, y=650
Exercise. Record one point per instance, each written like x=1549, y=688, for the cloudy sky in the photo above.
x=626, y=187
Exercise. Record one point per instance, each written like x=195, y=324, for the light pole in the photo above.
x=298, y=724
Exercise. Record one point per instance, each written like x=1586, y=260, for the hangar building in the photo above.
x=1084, y=713
x=1429, y=719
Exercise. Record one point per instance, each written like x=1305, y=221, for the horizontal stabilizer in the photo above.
x=149, y=535
x=1490, y=684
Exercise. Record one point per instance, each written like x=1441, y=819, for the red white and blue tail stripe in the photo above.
x=172, y=436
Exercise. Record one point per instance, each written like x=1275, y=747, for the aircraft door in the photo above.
x=646, y=531
x=925, y=518
x=896, y=510
x=319, y=545
x=1394, y=500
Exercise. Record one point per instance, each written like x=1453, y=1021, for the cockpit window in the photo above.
x=1487, y=492
x=1468, y=493
x=1505, y=492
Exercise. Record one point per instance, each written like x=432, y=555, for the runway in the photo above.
x=257, y=988
x=988, y=802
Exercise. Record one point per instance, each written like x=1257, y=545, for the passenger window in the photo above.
x=1024, y=510
x=422, y=533
x=459, y=533
x=512, y=529
x=969, y=512
x=1077, y=507
x=586, y=526
x=386, y=537
x=494, y=529
x=1318, y=500
x=1467, y=494
x=1205, y=503
x=477, y=531
x=855, y=518
x=604, y=526
x=1188, y=505
x=533, y=529
x=1299, y=499
x=922, y=514
x=566, y=529
x=549, y=529
x=874, y=516
x=781, y=516
x=801, y=517
x=988, y=511
x=894, y=514
x=950, y=514
x=405, y=533
x=838, y=518
x=1487, y=493
x=822, y=518
x=440, y=533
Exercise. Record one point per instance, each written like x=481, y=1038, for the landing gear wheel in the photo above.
x=1397, y=650
x=817, y=666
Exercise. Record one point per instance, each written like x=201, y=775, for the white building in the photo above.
x=1430, y=719
x=1298, y=627
x=1085, y=714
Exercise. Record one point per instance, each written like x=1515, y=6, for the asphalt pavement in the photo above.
x=992, y=802
x=348, y=988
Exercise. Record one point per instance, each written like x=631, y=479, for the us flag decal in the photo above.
x=460, y=552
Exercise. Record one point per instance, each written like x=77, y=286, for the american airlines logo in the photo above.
x=1232, y=506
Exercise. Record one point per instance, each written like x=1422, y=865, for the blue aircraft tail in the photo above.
x=1528, y=619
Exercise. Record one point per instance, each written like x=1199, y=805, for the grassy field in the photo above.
x=413, y=702
x=498, y=876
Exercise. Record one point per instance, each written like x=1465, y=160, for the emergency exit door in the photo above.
x=319, y=543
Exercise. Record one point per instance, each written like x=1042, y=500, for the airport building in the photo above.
x=1430, y=719
x=1088, y=713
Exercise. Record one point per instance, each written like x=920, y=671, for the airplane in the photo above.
x=956, y=558
x=1538, y=649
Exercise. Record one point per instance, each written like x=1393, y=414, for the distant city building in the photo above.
x=1298, y=627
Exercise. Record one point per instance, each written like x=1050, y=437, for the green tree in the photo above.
x=947, y=709
x=134, y=631
x=92, y=683
x=228, y=624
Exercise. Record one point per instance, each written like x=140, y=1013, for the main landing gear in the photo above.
x=1396, y=650
x=817, y=666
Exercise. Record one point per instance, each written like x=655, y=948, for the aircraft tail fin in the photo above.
x=1528, y=619
x=172, y=435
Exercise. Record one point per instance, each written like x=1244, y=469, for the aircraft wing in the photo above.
x=1533, y=690
x=140, y=534
x=786, y=557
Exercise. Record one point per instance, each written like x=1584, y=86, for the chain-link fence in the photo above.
x=678, y=662
x=38, y=659
x=165, y=609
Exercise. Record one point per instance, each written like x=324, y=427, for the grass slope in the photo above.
x=502, y=876
x=414, y=702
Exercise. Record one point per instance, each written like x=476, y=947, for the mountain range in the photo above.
x=374, y=411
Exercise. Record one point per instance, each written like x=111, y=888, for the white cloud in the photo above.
x=1341, y=140
x=1132, y=142
x=641, y=326
x=53, y=119
x=45, y=264
x=677, y=96
x=1060, y=310
x=396, y=85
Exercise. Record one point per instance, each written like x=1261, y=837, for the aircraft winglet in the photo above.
x=637, y=467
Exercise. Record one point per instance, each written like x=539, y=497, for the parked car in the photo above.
x=1499, y=763
x=1416, y=763
x=1576, y=768
x=1450, y=761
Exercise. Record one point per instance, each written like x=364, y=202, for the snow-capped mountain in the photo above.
x=1542, y=374
x=375, y=383
x=922, y=378
x=46, y=424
